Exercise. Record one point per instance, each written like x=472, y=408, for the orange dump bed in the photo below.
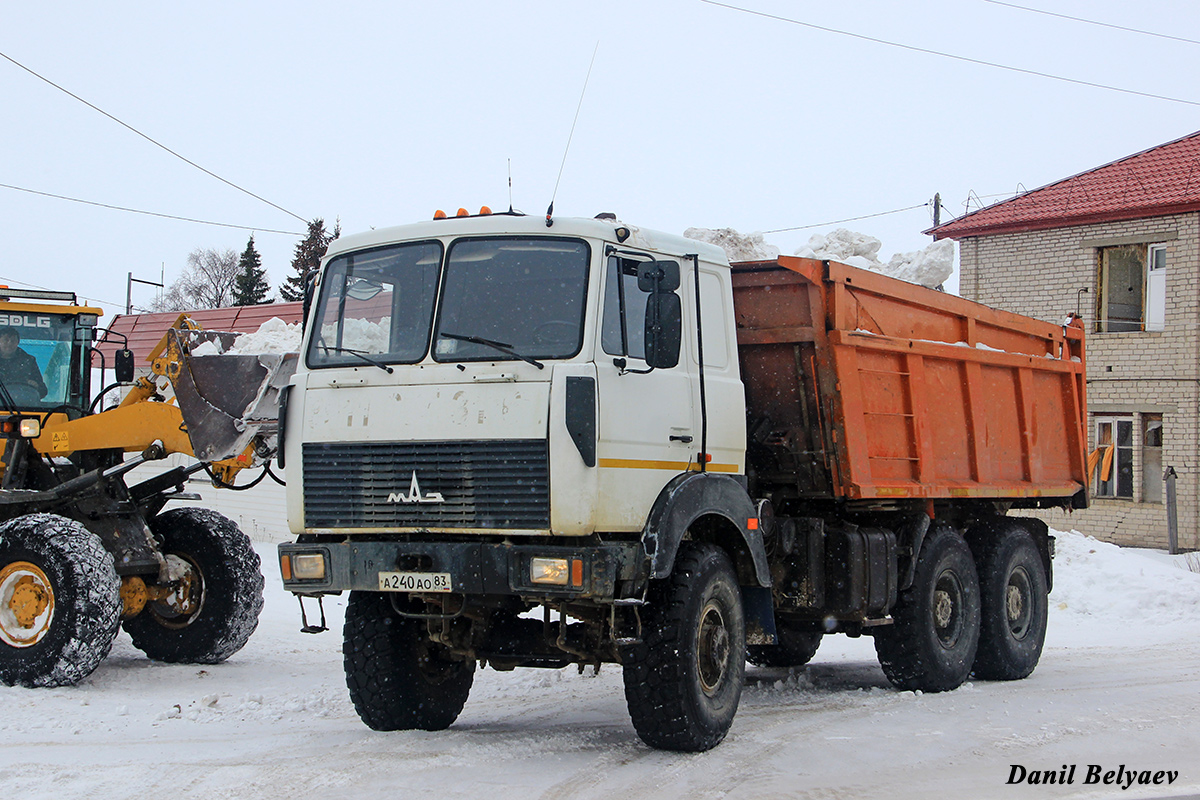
x=861, y=386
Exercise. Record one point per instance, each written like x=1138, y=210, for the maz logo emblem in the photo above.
x=414, y=495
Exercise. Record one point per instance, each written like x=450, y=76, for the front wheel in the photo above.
x=683, y=681
x=59, y=601
x=1012, y=578
x=931, y=645
x=398, y=678
x=216, y=590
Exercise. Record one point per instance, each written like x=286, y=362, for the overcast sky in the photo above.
x=695, y=115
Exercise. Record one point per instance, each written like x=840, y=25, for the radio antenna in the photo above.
x=510, y=207
x=567, y=149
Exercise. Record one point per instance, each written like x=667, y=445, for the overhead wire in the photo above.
x=1094, y=22
x=953, y=56
x=147, y=213
x=848, y=219
x=152, y=141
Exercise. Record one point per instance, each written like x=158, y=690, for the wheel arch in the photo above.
x=709, y=508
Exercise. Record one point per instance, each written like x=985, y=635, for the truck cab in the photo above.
x=487, y=377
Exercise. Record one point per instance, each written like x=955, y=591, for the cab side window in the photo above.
x=623, y=329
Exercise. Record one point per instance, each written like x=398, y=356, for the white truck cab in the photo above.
x=489, y=375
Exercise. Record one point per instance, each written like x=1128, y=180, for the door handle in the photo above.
x=685, y=439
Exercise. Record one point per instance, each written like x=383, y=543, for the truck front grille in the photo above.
x=490, y=484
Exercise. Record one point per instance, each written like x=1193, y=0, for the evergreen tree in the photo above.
x=307, y=259
x=251, y=287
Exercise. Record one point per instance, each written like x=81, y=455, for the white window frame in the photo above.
x=1155, y=294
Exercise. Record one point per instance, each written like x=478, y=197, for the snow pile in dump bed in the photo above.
x=928, y=267
x=737, y=246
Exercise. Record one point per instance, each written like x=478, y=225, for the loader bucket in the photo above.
x=228, y=401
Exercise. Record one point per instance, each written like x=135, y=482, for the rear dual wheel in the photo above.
x=932, y=643
x=1014, y=602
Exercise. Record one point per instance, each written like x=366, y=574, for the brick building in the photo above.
x=1120, y=245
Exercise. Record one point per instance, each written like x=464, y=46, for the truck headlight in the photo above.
x=554, y=571
x=303, y=567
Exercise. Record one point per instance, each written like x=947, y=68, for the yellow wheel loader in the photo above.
x=83, y=551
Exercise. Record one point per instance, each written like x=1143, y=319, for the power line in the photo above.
x=848, y=219
x=148, y=139
x=1094, y=22
x=967, y=59
x=147, y=213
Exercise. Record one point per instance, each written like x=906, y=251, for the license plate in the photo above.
x=415, y=582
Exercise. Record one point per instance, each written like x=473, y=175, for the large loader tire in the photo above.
x=793, y=648
x=931, y=645
x=683, y=681
x=399, y=679
x=59, y=601
x=219, y=596
x=1012, y=581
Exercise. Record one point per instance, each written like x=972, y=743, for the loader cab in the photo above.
x=45, y=338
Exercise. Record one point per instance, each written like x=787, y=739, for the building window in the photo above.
x=1152, y=461
x=1113, y=457
x=1133, y=288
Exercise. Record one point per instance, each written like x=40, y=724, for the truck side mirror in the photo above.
x=123, y=365
x=664, y=316
x=664, y=327
x=658, y=276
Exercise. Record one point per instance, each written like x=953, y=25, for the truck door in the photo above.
x=649, y=426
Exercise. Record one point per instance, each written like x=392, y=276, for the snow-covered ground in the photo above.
x=1118, y=686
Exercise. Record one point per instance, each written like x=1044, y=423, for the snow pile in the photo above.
x=1117, y=587
x=737, y=246
x=273, y=336
x=928, y=267
x=362, y=334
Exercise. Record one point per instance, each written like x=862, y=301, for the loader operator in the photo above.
x=19, y=371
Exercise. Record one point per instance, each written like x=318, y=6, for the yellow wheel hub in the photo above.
x=26, y=604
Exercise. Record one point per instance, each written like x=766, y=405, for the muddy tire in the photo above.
x=399, y=679
x=219, y=596
x=59, y=601
x=683, y=681
x=932, y=644
x=1014, y=603
x=793, y=648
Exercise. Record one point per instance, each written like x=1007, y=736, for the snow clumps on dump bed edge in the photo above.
x=928, y=267
x=737, y=246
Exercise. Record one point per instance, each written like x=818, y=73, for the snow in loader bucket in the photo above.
x=229, y=401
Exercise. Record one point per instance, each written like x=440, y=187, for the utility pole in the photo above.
x=129, y=291
x=937, y=209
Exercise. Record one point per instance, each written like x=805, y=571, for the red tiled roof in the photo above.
x=1159, y=181
x=145, y=331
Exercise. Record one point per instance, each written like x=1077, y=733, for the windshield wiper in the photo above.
x=501, y=346
x=359, y=354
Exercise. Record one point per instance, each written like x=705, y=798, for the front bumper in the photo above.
x=482, y=568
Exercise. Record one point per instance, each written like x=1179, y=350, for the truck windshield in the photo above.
x=376, y=306
x=36, y=356
x=524, y=295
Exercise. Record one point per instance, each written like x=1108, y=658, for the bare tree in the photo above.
x=208, y=281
